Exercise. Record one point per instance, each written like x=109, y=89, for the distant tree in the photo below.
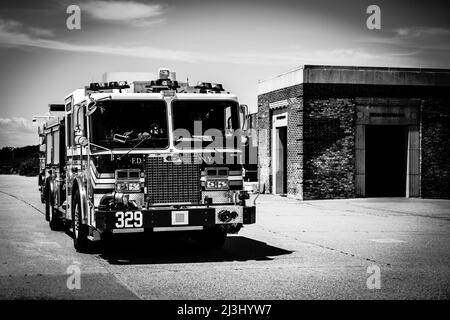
x=30, y=167
x=22, y=160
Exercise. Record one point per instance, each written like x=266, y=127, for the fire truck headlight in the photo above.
x=211, y=184
x=134, y=186
x=222, y=184
x=121, y=186
x=128, y=186
x=217, y=184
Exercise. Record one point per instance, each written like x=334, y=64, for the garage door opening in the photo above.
x=281, y=160
x=386, y=160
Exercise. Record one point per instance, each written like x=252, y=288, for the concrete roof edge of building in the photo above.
x=361, y=68
x=410, y=69
x=376, y=75
x=285, y=79
x=371, y=75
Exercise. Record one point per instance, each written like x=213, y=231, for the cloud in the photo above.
x=147, y=23
x=425, y=38
x=362, y=57
x=16, y=26
x=17, y=132
x=16, y=124
x=132, y=12
x=41, y=32
x=11, y=24
x=13, y=35
x=415, y=32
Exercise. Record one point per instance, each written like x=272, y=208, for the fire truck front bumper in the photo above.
x=229, y=218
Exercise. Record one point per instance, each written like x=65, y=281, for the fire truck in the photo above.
x=153, y=156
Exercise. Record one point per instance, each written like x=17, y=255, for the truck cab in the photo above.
x=153, y=156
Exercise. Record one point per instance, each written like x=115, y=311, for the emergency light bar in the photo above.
x=207, y=87
x=203, y=85
x=108, y=85
x=164, y=73
x=166, y=82
x=217, y=87
x=162, y=84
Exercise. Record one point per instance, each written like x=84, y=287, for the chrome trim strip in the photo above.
x=188, y=228
x=135, y=230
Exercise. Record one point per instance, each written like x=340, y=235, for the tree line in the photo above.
x=20, y=160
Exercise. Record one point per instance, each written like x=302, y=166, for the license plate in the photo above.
x=129, y=219
x=180, y=218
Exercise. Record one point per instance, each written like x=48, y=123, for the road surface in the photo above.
x=331, y=249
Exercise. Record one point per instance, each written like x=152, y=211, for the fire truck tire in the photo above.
x=47, y=209
x=213, y=239
x=108, y=242
x=80, y=231
x=55, y=224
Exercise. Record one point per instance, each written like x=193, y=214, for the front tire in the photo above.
x=80, y=231
x=55, y=224
x=47, y=209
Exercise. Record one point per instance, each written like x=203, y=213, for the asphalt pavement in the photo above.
x=391, y=248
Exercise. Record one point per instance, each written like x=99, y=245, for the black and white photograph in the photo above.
x=224, y=157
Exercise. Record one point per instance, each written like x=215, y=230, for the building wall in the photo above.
x=324, y=130
x=321, y=139
x=321, y=143
x=264, y=137
x=295, y=157
x=329, y=148
x=435, y=141
x=293, y=96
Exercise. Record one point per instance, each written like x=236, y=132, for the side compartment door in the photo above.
x=69, y=155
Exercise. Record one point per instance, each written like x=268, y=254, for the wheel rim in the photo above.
x=76, y=227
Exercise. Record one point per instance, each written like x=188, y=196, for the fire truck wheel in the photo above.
x=108, y=242
x=55, y=224
x=213, y=239
x=47, y=209
x=80, y=231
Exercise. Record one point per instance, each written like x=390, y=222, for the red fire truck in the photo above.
x=146, y=157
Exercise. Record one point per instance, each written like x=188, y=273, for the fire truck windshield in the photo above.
x=203, y=121
x=129, y=124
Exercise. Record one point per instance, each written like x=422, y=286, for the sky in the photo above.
x=233, y=42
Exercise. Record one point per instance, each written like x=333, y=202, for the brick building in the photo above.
x=345, y=132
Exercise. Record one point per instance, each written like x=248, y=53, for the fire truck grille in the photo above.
x=169, y=182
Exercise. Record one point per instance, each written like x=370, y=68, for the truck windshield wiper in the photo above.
x=135, y=146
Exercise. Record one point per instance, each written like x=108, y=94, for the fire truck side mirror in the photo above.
x=244, y=110
x=91, y=108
